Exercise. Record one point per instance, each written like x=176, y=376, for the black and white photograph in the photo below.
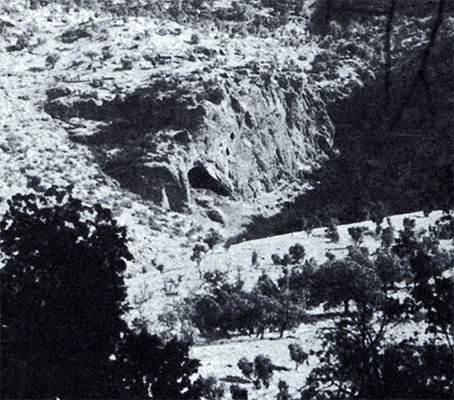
x=227, y=199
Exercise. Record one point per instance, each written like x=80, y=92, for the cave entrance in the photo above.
x=200, y=178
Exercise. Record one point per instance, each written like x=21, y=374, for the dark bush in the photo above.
x=331, y=231
x=260, y=371
x=238, y=393
x=157, y=370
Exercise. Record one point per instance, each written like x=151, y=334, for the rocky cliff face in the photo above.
x=135, y=112
x=236, y=130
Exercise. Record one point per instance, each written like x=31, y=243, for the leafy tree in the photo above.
x=387, y=236
x=388, y=268
x=280, y=307
x=296, y=254
x=340, y=281
x=246, y=367
x=297, y=354
x=62, y=296
x=444, y=227
x=157, y=370
x=227, y=309
x=260, y=371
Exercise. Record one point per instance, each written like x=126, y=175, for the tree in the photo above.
x=260, y=371
x=158, y=370
x=295, y=256
x=357, y=233
x=340, y=281
x=297, y=354
x=360, y=356
x=331, y=231
x=62, y=296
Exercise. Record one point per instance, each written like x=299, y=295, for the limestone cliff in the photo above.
x=236, y=130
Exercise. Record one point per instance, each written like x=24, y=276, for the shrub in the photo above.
x=238, y=393
x=283, y=393
x=254, y=258
x=357, y=233
x=260, y=371
x=212, y=238
x=208, y=389
x=157, y=370
x=444, y=227
x=331, y=231
x=195, y=38
x=296, y=254
x=387, y=237
x=297, y=354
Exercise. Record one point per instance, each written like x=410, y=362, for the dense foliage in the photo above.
x=227, y=309
x=62, y=296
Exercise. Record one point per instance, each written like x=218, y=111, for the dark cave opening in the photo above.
x=199, y=178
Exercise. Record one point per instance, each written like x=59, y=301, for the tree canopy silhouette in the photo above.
x=62, y=296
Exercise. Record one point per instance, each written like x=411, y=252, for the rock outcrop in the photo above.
x=235, y=131
x=168, y=110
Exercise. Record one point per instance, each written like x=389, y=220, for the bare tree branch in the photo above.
x=420, y=75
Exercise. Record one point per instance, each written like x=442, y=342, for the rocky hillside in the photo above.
x=173, y=111
x=188, y=118
x=182, y=123
x=165, y=107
